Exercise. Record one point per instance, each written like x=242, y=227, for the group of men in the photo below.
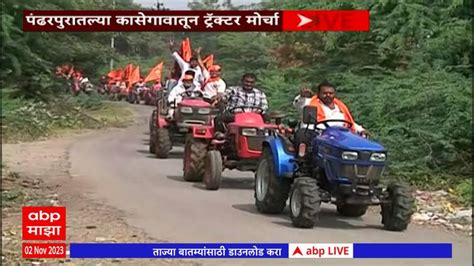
x=196, y=80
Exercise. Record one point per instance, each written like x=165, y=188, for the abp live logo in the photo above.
x=44, y=223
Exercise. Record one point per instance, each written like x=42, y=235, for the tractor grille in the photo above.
x=255, y=143
x=361, y=173
x=194, y=119
x=364, y=155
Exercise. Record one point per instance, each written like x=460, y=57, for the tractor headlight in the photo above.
x=349, y=155
x=186, y=110
x=204, y=111
x=378, y=157
x=249, y=132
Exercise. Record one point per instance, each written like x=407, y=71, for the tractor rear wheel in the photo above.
x=305, y=202
x=162, y=143
x=352, y=210
x=271, y=192
x=194, y=161
x=151, y=144
x=396, y=214
x=213, y=170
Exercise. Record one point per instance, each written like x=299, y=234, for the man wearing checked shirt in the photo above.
x=246, y=96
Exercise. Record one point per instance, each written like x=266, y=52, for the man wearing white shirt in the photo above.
x=214, y=84
x=185, y=89
x=328, y=107
x=192, y=65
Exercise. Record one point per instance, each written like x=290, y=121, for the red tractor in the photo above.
x=206, y=156
x=165, y=132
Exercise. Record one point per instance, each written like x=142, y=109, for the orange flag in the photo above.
x=186, y=52
x=116, y=73
x=134, y=76
x=127, y=71
x=155, y=73
x=208, y=61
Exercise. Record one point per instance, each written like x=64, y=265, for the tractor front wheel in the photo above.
x=162, y=143
x=271, y=192
x=213, y=170
x=305, y=202
x=194, y=160
x=396, y=214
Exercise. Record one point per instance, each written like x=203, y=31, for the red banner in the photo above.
x=195, y=21
x=43, y=250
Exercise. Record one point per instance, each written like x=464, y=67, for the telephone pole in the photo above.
x=112, y=43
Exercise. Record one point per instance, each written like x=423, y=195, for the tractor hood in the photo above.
x=249, y=120
x=196, y=102
x=344, y=139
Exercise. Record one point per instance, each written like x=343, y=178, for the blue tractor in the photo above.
x=331, y=165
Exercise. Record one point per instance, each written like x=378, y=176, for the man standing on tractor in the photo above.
x=246, y=96
x=328, y=108
x=185, y=89
x=192, y=65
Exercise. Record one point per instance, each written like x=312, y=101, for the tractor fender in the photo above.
x=161, y=122
x=203, y=132
x=282, y=160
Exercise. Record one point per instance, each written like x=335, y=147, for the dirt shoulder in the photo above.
x=36, y=174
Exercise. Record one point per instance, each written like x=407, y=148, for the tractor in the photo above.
x=240, y=147
x=166, y=132
x=334, y=165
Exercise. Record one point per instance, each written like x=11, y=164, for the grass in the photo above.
x=29, y=120
x=113, y=114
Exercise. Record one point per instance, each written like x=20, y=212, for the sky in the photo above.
x=183, y=4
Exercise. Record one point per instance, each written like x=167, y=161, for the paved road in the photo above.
x=119, y=170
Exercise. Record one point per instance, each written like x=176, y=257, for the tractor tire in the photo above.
x=213, y=170
x=162, y=143
x=194, y=160
x=151, y=144
x=305, y=202
x=352, y=210
x=271, y=192
x=396, y=214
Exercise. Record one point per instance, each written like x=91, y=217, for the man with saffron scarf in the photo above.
x=328, y=106
x=213, y=84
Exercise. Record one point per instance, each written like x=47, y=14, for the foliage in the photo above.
x=31, y=119
x=464, y=192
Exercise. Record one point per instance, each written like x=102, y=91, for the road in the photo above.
x=119, y=171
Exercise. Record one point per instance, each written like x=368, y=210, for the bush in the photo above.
x=464, y=191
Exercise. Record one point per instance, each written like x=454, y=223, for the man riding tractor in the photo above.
x=332, y=161
x=240, y=130
x=176, y=114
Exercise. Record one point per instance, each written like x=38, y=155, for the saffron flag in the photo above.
x=186, y=53
x=116, y=73
x=155, y=73
x=208, y=61
x=134, y=77
x=126, y=73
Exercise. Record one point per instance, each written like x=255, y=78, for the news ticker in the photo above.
x=241, y=250
x=195, y=21
x=41, y=223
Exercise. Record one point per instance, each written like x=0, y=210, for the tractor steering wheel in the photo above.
x=259, y=109
x=325, y=122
